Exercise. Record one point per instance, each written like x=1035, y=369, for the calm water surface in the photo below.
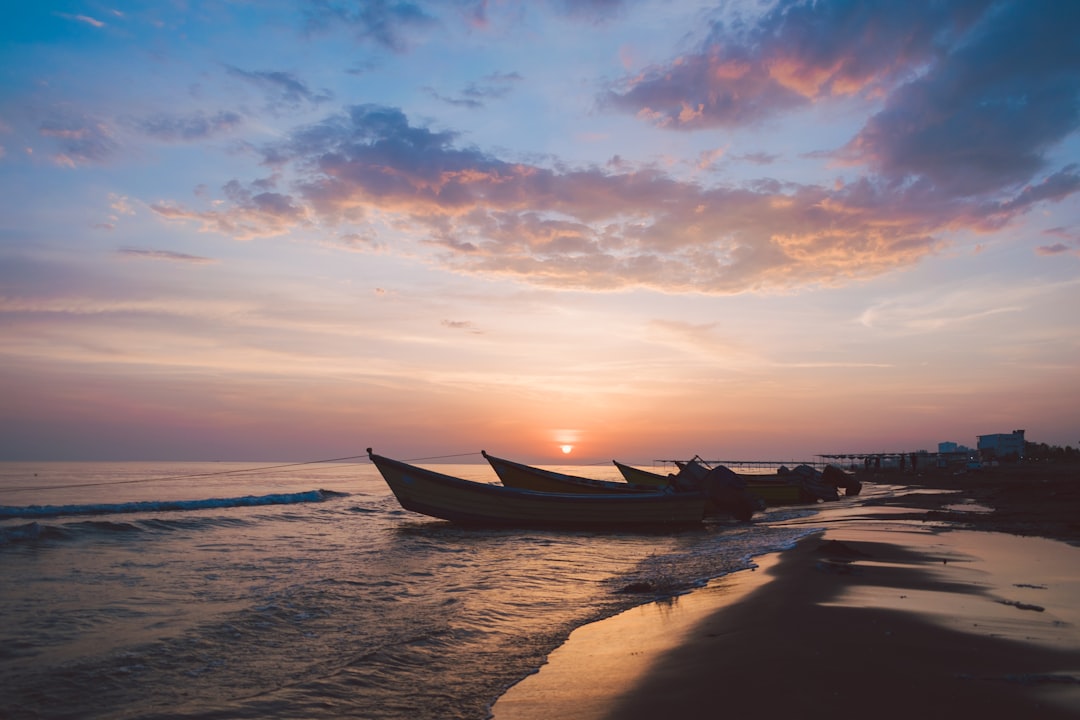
x=300, y=592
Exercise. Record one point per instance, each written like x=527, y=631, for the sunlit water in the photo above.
x=300, y=592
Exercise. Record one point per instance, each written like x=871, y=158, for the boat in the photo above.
x=527, y=477
x=642, y=477
x=823, y=484
x=724, y=491
x=468, y=502
x=771, y=490
x=812, y=485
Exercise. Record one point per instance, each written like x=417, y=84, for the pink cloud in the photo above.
x=1055, y=249
x=80, y=140
x=247, y=215
x=796, y=54
x=598, y=229
x=167, y=255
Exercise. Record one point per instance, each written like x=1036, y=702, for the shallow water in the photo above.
x=299, y=592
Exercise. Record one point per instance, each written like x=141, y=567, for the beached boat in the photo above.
x=770, y=489
x=724, y=491
x=813, y=484
x=474, y=503
x=527, y=477
x=642, y=477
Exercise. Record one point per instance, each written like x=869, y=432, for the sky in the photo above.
x=642, y=229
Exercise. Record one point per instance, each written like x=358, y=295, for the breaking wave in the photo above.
x=51, y=511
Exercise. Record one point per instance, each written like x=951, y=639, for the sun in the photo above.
x=566, y=449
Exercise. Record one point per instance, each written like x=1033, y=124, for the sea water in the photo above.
x=227, y=590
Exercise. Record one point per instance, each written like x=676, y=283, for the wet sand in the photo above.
x=940, y=602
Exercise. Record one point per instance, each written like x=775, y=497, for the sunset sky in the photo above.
x=289, y=230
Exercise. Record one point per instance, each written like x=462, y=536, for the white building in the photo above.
x=1002, y=445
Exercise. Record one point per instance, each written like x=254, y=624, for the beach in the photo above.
x=956, y=596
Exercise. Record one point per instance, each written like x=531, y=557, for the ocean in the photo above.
x=233, y=590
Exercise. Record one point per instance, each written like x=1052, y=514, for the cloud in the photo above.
x=1054, y=188
x=964, y=304
x=168, y=255
x=246, y=212
x=464, y=325
x=920, y=314
x=81, y=140
x=707, y=342
x=356, y=242
x=189, y=128
x=84, y=19
x=975, y=94
x=590, y=10
x=758, y=158
x=475, y=95
x=465, y=102
x=986, y=115
x=1055, y=249
x=1070, y=244
x=120, y=204
x=387, y=23
x=592, y=228
x=791, y=56
x=282, y=89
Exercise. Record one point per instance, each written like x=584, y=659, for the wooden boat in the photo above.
x=474, y=503
x=638, y=476
x=724, y=495
x=771, y=490
x=527, y=477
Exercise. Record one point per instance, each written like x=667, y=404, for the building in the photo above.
x=1002, y=446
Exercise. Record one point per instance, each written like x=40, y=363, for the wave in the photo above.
x=75, y=530
x=30, y=532
x=49, y=511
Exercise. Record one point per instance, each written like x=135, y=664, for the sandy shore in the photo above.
x=941, y=602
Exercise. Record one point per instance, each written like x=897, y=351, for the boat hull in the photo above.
x=638, y=476
x=527, y=477
x=774, y=492
x=473, y=503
